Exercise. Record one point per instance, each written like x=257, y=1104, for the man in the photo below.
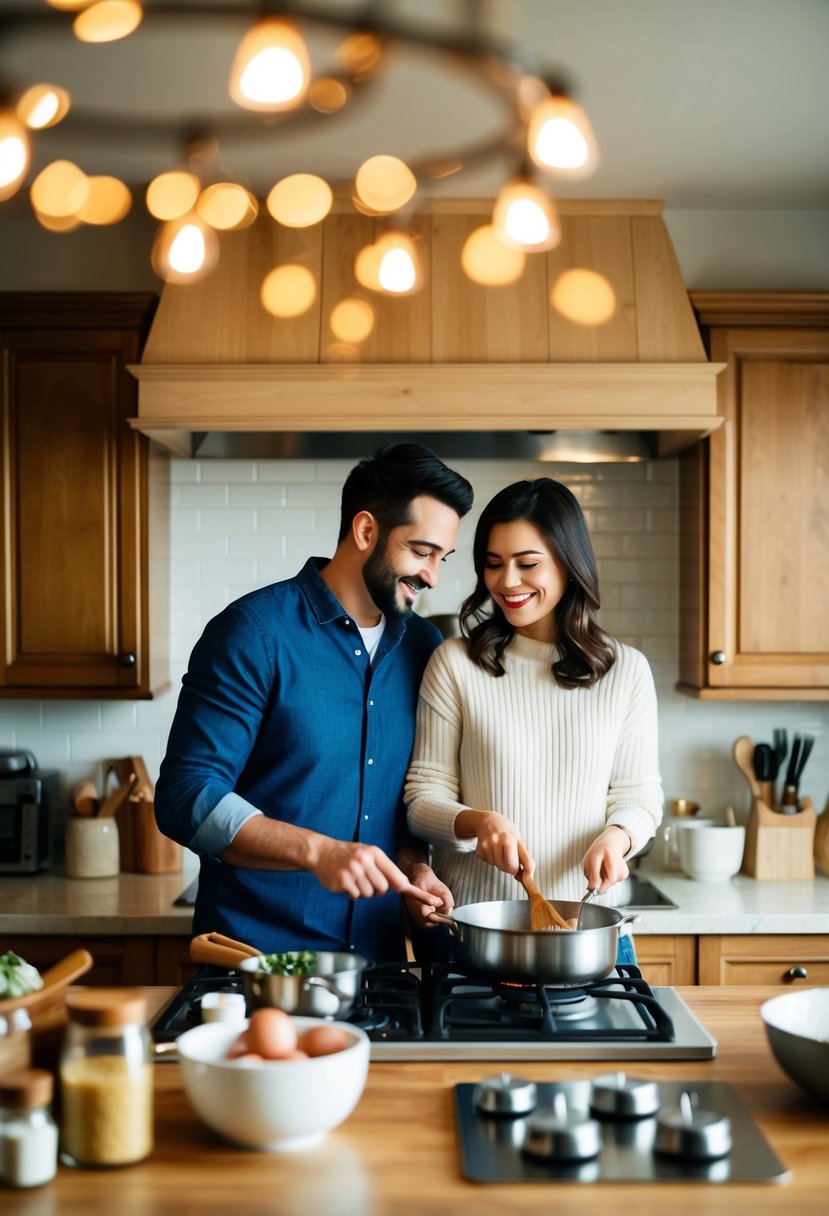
x=287, y=755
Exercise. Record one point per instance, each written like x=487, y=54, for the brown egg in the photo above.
x=238, y=1047
x=271, y=1033
x=323, y=1040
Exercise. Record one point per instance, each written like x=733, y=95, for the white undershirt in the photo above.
x=371, y=636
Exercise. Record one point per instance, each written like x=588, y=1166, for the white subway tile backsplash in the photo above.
x=239, y=524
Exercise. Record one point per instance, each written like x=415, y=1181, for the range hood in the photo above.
x=473, y=371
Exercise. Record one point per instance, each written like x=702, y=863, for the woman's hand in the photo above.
x=499, y=843
x=423, y=877
x=604, y=862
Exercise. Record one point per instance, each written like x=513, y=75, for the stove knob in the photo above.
x=505, y=1095
x=559, y=1134
x=618, y=1096
x=693, y=1134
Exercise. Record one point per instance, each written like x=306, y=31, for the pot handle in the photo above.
x=319, y=981
x=220, y=950
x=629, y=918
x=440, y=918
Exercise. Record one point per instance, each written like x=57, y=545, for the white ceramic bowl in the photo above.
x=797, y=1025
x=711, y=852
x=278, y=1105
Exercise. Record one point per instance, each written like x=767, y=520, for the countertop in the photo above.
x=397, y=1153
x=143, y=903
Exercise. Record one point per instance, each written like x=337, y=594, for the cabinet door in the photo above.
x=667, y=960
x=763, y=959
x=75, y=509
x=762, y=629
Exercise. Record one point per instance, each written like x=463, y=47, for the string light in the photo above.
x=272, y=82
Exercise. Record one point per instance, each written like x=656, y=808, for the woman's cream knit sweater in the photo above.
x=561, y=763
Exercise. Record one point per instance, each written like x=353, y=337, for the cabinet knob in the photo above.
x=718, y=657
x=126, y=658
x=795, y=973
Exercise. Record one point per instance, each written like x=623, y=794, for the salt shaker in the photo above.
x=28, y=1133
x=106, y=1079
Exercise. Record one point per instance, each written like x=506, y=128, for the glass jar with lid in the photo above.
x=106, y=1079
x=28, y=1135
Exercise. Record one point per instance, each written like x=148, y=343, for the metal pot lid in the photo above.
x=622, y=1097
x=694, y=1134
x=559, y=1133
x=505, y=1095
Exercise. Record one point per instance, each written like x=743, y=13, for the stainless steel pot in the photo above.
x=495, y=939
x=329, y=991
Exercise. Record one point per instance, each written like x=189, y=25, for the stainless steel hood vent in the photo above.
x=564, y=447
x=489, y=372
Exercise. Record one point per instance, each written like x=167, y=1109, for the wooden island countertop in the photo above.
x=398, y=1152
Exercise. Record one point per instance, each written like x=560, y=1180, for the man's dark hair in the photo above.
x=387, y=482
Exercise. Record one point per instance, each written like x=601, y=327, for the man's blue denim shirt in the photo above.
x=281, y=713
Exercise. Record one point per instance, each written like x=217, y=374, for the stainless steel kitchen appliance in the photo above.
x=622, y=1148
x=27, y=799
x=417, y=1013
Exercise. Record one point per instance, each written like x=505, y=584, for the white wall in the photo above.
x=240, y=524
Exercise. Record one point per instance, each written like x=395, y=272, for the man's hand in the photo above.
x=604, y=862
x=499, y=843
x=361, y=871
x=425, y=879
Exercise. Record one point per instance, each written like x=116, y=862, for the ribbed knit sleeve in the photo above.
x=561, y=763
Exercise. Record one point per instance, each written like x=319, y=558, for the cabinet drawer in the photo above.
x=667, y=960
x=776, y=960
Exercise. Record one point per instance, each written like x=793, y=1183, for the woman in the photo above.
x=536, y=742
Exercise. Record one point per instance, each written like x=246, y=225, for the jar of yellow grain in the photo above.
x=106, y=1079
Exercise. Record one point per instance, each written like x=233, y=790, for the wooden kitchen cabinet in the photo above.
x=754, y=504
x=780, y=959
x=79, y=501
x=119, y=960
x=667, y=960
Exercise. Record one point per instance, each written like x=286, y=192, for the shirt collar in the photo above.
x=325, y=604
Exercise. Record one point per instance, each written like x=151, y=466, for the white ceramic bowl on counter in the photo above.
x=275, y=1105
x=797, y=1026
x=711, y=852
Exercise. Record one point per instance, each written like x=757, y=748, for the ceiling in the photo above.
x=708, y=104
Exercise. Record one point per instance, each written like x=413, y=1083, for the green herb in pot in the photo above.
x=17, y=978
x=291, y=962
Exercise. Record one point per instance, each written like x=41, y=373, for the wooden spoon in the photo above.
x=743, y=753
x=542, y=913
x=220, y=950
x=85, y=798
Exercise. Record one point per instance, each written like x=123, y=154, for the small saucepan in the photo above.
x=495, y=939
x=329, y=991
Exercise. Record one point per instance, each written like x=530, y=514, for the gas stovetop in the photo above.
x=411, y=1012
x=494, y=1148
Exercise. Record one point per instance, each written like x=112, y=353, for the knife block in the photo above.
x=780, y=848
x=144, y=850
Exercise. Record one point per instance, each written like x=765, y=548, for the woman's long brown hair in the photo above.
x=585, y=650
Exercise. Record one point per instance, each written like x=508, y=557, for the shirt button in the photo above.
x=371, y=702
x=348, y=622
x=365, y=816
x=371, y=761
x=358, y=652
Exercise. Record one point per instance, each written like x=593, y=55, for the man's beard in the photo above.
x=382, y=581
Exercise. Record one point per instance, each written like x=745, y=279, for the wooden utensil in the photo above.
x=114, y=801
x=55, y=981
x=220, y=950
x=743, y=753
x=85, y=798
x=542, y=913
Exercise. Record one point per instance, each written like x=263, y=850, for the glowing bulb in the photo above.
x=288, y=291
x=108, y=202
x=384, y=184
x=184, y=249
x=108, y=20
x=352, y=320
x=60, y=190
x=584, y=296
x=487, y=260
x=271, y=68
x=226, y=205
x=524, y=216
x=397, y=271
x=560, y=138
x=14, y=153
x=43, y=105
x=300, y=200
x=187, y=250
x=171, y=195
